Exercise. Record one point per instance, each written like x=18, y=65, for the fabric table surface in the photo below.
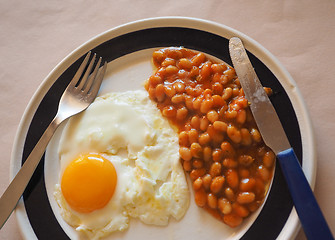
x=37, y=35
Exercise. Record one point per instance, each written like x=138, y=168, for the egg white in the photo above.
x=127, y=129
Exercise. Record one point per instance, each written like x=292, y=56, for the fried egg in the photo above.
x=119, y=159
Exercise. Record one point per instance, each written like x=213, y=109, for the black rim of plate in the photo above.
x=278, y=205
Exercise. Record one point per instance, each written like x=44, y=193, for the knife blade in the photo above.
x=273, y=134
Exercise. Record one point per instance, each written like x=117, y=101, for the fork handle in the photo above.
x=13, y=193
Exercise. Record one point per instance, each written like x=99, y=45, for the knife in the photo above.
x=270, y=127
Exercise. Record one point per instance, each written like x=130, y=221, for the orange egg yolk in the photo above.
x=88, y=183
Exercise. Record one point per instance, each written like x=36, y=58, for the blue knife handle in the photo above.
x=310, y=215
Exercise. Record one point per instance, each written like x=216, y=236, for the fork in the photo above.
x=78, y=95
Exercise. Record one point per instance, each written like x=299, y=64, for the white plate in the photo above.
x=128, y=50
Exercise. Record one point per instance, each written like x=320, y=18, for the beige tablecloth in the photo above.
x=36, y=35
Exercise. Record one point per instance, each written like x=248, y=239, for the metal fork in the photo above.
x=78, y=95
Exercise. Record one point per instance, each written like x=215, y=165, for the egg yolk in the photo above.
x=88, y=183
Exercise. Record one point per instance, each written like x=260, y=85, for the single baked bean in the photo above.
x=204, y=123
x=160, y=93
x=241, y=116
x=212, y=116
x=206, y=181
x=245, y=160
x=152, y=93
x=197, y=163
x=264, y=173
x=207, y=93
x=181, y=113
x=174, y=53
x=245, y=197
x=169, y=90
x=224, y=80
x=200, y=197
x=232, y=220
x=205, y=71
x=220, y=126
x=227, y=93
x=169, y=111
x=183, y=139
x=231, y=114
x=246, y=137
x=179, y=86
x=197, y=103
x=229, y=163
x=193, y=136
x=227, y=149
x=185, y=153
x=232, y=178
x=154, y=80
x=241, y=92
x=238, y=83
x=215, y=169
x=218, y=68
x=161, y=72
x=236, y=91
x=269, y=159
x=247, y=184
x=229, y=193
x=185, y=64
x=197, y=184
x=218, y=101
x=217, y=88
x=234, y=134
x=224, y=206
x=170, y=70
x=158, y=56
x=217, y=184
x=168, y=62
x=217, y=155
x=211, y=131
x=240, y=210
x=178, y=98
x=187, y=165
x=204, y=139
x=212, y=200
x=207, y=153
x=196, y=173
x=196, y=150
x=256, y=136
x=206, y=105
x=195, y=122
x=198, y=59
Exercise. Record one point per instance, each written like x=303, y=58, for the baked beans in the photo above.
x=220, y=145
